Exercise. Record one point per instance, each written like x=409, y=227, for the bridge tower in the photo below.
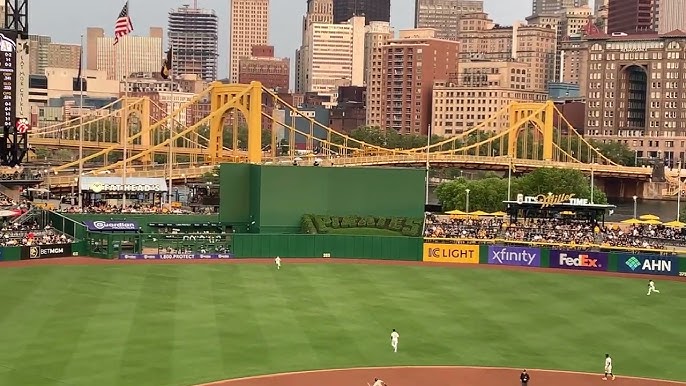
x=235, y=99
x=541, y=115
x=139, y=107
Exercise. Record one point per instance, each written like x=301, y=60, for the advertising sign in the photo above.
x=519, y=256
x=116, y=184
x=111, y=225
x=176, y=256
x=45, y=251
x=580, y=260
x=8, y=68
x=648, y=264
x=451, y=253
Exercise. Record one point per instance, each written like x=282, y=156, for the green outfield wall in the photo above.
x=334, y=246
x=273, y=199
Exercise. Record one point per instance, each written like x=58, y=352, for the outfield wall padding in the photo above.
x=335, y=246
x=530, y=256
x=144, y=220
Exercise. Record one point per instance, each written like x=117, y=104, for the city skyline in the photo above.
x=53, y=19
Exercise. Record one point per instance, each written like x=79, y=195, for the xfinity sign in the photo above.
x=518, y=256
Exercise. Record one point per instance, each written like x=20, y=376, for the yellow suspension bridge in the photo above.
x=143, y=130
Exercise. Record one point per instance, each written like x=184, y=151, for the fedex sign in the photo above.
x=580, y=260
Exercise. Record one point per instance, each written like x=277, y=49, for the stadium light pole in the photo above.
x=678, y=194
x=428, y=145
x=466, y=206
x=509, y=178
x=635, y=198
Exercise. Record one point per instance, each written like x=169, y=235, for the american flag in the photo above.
x=123, y=25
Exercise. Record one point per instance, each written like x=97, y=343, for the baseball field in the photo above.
x=180, y=324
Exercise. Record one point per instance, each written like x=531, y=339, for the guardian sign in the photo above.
x=518, y=256
x=648, y=264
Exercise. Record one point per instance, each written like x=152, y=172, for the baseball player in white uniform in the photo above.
x=394, y=340
x=651, y=287
x=608, y=368
x=278, y=262
x=378, y=382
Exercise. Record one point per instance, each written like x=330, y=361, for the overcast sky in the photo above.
x=66, y=20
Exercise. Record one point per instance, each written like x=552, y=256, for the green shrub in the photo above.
x=313, y=224
x=413, y=228
x=396, y=224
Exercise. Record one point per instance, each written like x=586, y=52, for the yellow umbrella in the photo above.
x=652, y=222
x=498, y=214
x=478, y=213
x=649, y=217
x=632, y=221
x=675, y=224
x=455, y=211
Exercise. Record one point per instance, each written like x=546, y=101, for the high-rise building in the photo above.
x=671, y=15
x=372, y=10
x=481, y=39
x=476, y=93
x=193, y=35
x=574, y=63
x=443, y=15
x=411, y=64
x=262, y=66
x=64, y=55
x=334, y=56
x=635, y=95
x=631, y=16
x=249, y=26
x=318, y=11
x=547, y=7
x=132, y=54
x=38, y=53
x=377, y=34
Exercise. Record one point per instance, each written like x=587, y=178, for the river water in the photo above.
x=666, y=210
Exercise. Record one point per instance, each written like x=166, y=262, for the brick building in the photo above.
x=262, y=66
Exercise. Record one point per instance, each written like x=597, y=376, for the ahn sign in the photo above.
x=648, y=264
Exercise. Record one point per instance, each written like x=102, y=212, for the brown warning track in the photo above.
x=286, y=261
x=437, y=375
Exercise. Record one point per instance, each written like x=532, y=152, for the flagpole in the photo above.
x=78, y=183
x=125, y=118
x=171, y=127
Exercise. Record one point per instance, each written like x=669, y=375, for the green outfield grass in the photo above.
x=148, y=325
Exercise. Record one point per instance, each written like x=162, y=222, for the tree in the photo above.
x=211, y=176
x=616, y=152
x=488, y=193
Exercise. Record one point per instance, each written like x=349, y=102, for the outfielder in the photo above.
x=608, y=368
x=378, y=382
x=278, y=262
x=394, y=340
x=651, y=287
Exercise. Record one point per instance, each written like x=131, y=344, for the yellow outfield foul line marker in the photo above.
x=223, y=382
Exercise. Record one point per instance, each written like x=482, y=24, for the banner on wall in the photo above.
x=579, y=260
x=519, y=256
x=45, y=251
x=451, y=253
x=648, y=264
x=111, y=225
x=176, y=256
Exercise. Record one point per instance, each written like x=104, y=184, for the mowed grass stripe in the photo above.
x=102, y=340
x=150, y=342
x=51, y=347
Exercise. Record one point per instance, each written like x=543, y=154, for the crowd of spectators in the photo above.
x=30, y=234
x=103, y=207
x=555, y=231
